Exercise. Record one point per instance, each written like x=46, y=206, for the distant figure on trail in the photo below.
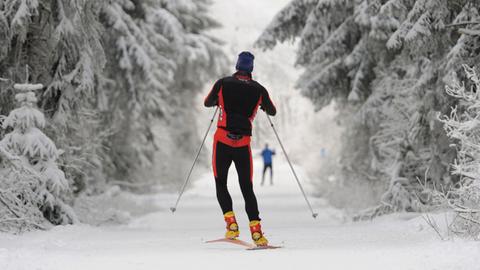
x=238, y=98
x=267, y=156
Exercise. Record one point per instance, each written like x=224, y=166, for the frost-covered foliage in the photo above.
x=164, y=41
x=60, y=42
x=32, y=185
x=384, y=63
x=113, y=71
x=463, y=125
x=110, y=68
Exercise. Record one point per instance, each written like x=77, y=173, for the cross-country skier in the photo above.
x=238, y=97
x=267, y=155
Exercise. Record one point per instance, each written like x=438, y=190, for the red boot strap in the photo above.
x=256, y=228
x=230, y=220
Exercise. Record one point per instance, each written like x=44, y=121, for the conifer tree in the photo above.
x=60, y=42
x=118, y=76
x=29, y=149
x=388, y=60
x=163, y=59
x=462, y=126
x=111, y=69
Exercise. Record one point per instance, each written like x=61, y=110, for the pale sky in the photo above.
x=244, y=20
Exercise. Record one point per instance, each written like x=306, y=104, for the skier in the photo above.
x=238, y=98
x=267, y=163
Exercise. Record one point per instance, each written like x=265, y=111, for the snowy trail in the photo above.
x=161, y=240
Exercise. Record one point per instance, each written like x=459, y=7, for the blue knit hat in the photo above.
x=245, y=62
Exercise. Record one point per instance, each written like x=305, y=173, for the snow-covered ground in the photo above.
x=161, y=240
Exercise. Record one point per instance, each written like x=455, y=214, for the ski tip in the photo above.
x=314, y=215
x=173, y=209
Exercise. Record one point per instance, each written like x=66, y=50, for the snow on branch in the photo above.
x=463, y=125
x=27, y=87
x=336, y=45
x=470, y=32
x=287, y=24
x=20, y=13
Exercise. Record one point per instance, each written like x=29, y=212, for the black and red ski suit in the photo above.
x=238, y=98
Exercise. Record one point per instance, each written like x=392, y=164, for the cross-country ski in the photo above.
x=264, y=247
x=232, y=241
x=242, y=243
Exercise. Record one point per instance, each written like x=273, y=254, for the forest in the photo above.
x=102, y=97
x=402, y=77
x=111, y=73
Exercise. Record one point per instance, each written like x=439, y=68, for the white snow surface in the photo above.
x=162, y=240
x=25, y=87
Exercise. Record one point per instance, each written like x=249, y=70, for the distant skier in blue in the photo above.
x=267, y=155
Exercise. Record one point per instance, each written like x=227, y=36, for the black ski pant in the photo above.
x=265, y=167
x=223, y=156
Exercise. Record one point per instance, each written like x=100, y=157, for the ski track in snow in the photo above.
x=161, y=240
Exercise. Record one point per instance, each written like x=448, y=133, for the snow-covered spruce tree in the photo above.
x=135, y=85
x=463, y=125
x=427, y=152
x=158, y=61
x=110, y=68
x=29, y=167
x=60, y=42
x=19, y=209
x=200, y=58
x=389, y=60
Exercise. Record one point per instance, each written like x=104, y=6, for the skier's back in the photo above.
x=238, y=97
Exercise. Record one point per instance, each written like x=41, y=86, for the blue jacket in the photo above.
x=267, y=155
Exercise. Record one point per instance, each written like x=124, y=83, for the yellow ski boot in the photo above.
x=257, y=235
x=232, y=226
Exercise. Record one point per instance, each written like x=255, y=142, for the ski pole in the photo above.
x=314, y=215
x=174, y=208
